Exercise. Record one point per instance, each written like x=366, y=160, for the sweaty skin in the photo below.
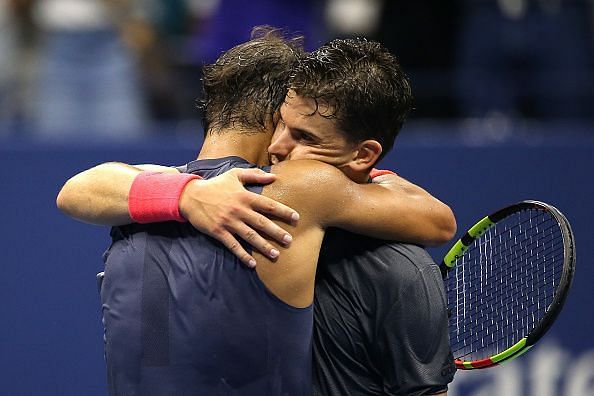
x=323, y=196
x=304, y=132
x=222, y=210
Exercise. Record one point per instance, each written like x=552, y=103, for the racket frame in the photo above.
x=475, y=232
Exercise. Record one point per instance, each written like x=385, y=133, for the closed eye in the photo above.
x=307, y=138
x=303, y=136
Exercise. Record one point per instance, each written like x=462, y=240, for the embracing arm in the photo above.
x=219, y=207
x=400, y=211
x=100, y=195
x=424, y=219
x=393, y=210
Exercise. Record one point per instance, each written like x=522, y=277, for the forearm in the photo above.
x=397, y=210
x=424, y=219
x=117, y=194
x=99, y=195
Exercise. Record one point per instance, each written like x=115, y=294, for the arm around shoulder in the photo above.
x=99, y=195
x=402, y=212
x=427, y=220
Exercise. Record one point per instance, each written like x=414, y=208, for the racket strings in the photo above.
x=460, y=282
x=489, y=328
x=489, y=301
x=504, y=284
x=558, y=253
x=492, y=327
x=489, y=240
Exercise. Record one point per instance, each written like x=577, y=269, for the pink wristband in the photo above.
x=154, y=197
x=380, y=172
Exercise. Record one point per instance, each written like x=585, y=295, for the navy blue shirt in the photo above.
x=183, y=316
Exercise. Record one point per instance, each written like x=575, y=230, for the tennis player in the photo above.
x=381, y=324
x=295, y=283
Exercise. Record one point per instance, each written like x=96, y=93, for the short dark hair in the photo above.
x=247, y=84
x=363, y=84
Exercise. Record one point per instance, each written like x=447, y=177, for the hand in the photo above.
x=392, y=182
x=222, y=208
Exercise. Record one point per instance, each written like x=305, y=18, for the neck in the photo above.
x=229, y=142
x=359, y=177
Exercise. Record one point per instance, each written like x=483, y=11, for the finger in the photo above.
x=256, y=240
x=255, y=176
x=268, y=227
x=227, y=239
x=271, y=207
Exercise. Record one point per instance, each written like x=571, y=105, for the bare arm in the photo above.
x=395, y=210
x=100, y=195
x=220, y=207
x=426, y=220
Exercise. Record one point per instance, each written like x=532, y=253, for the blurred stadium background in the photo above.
x=504, y=112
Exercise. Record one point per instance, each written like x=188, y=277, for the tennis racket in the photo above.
x=506, y=281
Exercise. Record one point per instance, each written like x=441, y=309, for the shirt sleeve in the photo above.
x=413, y=339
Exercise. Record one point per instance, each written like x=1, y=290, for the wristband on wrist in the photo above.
x=154, y=197
x=380, y=172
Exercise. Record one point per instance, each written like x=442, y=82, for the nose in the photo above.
x=281, y=144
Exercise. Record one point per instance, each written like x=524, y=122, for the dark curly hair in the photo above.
x=361, y=81
x=247, y=84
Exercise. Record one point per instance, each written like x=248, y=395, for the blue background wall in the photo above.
x=50, y=337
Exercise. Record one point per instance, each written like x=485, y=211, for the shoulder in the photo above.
x=373, y=270
x=307, y=183
x=391, y=273
x=416, y=282
x=393, y=263
x=407, y=268
x=307, y=171
x=415, y=256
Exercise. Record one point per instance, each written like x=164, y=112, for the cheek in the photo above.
x=297, y=153
x=329, y=156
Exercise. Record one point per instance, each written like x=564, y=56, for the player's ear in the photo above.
x=366, y=155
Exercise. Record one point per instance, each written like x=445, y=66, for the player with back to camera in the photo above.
x=353, y=155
